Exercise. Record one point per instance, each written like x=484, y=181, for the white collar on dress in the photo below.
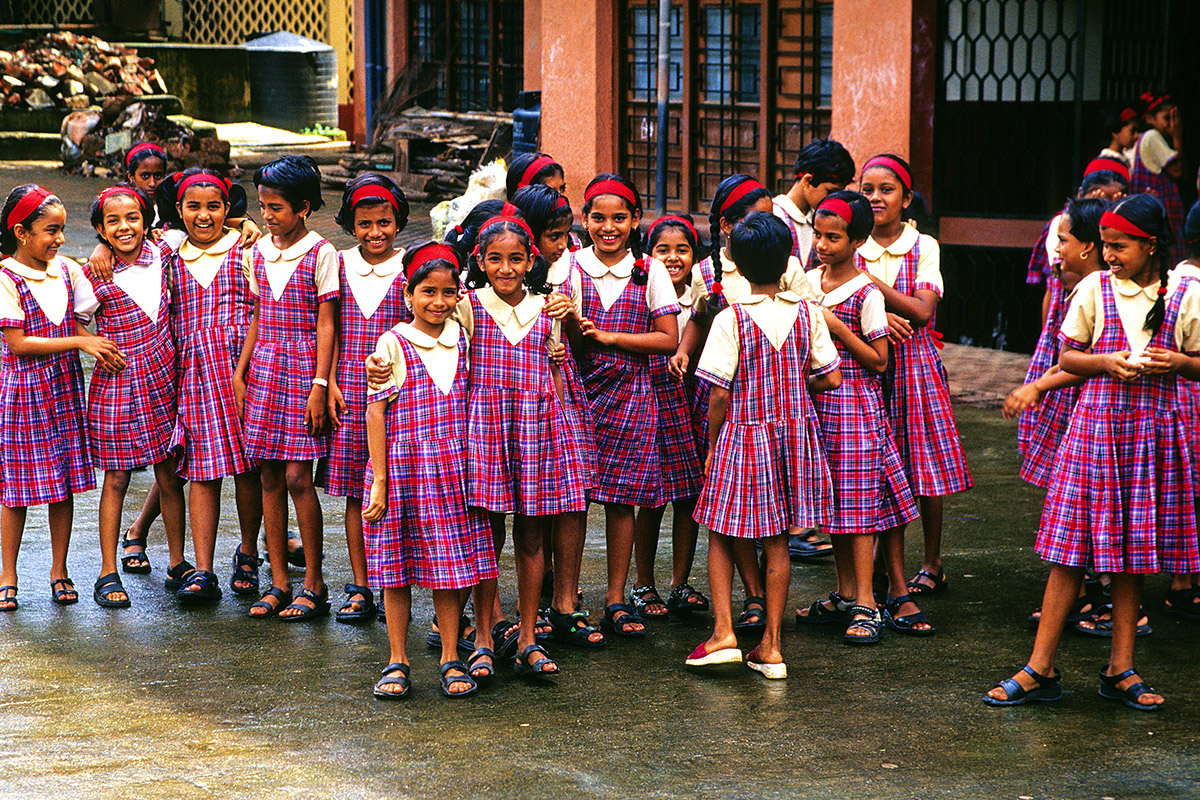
x=272, y=253
x=839, y=294
x=1127, y=288
x=785, y=296
x=872, y=251
x=447, y=338
x=593, y=266
x=53, y=269
x=524, y=312
x=190, y=252
x=792, y=210
x=355, y=262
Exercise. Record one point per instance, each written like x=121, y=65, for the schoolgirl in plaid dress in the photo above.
x=44, y=454
x=822, y=166
x=418, y=526
x=284, y=369
x=908, y=272
x=131, y=414
x=1157, y=164
x=766, y=468
x=1122, y=502
x=371, y=280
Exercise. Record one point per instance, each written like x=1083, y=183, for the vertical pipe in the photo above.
x=664, y=66
x=371, y=63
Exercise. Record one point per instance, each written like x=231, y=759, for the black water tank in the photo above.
x=293, y=81
x=527, y=118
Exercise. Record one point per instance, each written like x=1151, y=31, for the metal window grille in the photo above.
x=55, y=12
x=749, y=85
x=476, y=50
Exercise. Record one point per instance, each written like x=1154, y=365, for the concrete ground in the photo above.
x=161, y=702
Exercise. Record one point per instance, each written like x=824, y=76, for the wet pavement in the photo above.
x=158, y=701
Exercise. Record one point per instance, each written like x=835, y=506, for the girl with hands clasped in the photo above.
x=42, y=432
x=1121, y=499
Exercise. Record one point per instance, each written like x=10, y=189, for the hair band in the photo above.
x=837, y=206
x=744, y=188
x=1162, y=291
x=1128, y=115
x=611, y=187
x=680, y=220
x=431, y=252
x=1111, y=219
x=535, y=166
x=141, y=148
x=1153, y=102
x=892, y=164
x=202, y=177
x=113, y=191
x=520, y=223
x=561, y=203
x=28, y=204
x=1109, y=164
x=373, y=190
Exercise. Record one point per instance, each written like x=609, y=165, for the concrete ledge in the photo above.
x=26, y=146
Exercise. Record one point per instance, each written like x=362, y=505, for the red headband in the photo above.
x=892, y=164
x=113, y=191
x=680, y=220
x=1109, y=164
x=27, y=205
x=562, y=202
x=429, y=253
x=535, y=166
x=1111, y=219
x=139, y=148
x=373, y=190
x=520, y=223
x=611, y=187
x=837, y=206
x=744, y=188
x=202, y=177
x=1128, y=115
x=1153, y=102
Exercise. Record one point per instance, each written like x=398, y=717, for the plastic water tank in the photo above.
x=527, y=118
x=293, y=81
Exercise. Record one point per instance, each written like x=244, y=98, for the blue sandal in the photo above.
x=618, y=615
x=906, y=624
x=475, y=663
x=819, y=614
x=533, y=669
x=177, y=576
x=1048, y=690
x=200, y=587
x=63, y=596
x=106, y=586
x=283, y=598
x=319, y=608
x=400, y=678
x=1129, y=696
x=366, y=607
x=9, y=595
x=450, y=680
x=245, y=569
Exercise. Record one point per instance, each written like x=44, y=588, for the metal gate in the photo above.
x=474, y=49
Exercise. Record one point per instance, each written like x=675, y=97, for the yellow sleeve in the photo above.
x=12, y=315
x=326, y=274
x=822, y=353
x=929, y=266
x=1082, y=324
x=1187, y=326
x=719, y=361
x=248, y=270
x=796, y=280
x=389, y=349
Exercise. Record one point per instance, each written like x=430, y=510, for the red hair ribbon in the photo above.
x=1110, y=164
x=611, y=187
x=202, y=177
x=1153, y=102
x=535, y=166
x=744, y=188
x=562, y=202
x=373, y=190
x=1162, y=291
x=892, y=164
x=28, y=204
x=141, y=148
x=1128, y=115
x=1111, y=219
x=837, y=206
x=680, y=220
x=113, y=191
x=428, y=253
x=520, y=223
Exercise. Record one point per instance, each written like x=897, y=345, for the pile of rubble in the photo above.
x=66, y=70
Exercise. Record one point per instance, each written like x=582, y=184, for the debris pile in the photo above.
x=430, y=153
x=67, y=70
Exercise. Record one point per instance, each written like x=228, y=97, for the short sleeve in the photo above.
x=1155, y=153
x=83, y=293
x=464, y=315
x=796, y=280
x=12, y=315
x=1078, y=327
x=929, y=266
x=248, y=270
x=660, y=292
x=823, y=356
x=1187, y=329
x=326, y=275
x=719, y=361
x=390, y=350
x=872, y=317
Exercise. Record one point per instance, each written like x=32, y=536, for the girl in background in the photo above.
x=1158, y=162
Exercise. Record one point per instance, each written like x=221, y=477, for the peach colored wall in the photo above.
x=579, y=67
x=533, y=45
x=872, y=76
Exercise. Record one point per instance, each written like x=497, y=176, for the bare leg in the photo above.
x=684, y=532
x=204, y=509
x=569, y=533
x=720, y=588
x=298, y=478
x=618, y=520
x=778, y=575
x=151, y=508
x=275, y=519
x=447, y=606
x=862, y=570
x=356, y=548
x=1062, y=587
x=12, y=529
x=397, y=604
x=527, y=549
x=168, y=492
x=892, y=544
x=248, y=493
x=646, y=526
x=1126, y=603
x=60, y=515
x=112, y=500
x=931, y=526
x=499, y=534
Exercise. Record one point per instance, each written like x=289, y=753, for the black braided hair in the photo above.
x=542, y=207
x=1148, y=213
x=421, y=274
x=734, y=214
x=8, y=239
x=517, y=169
x=297, y=178
x=640, y=275
x=345, y=214
x=167, y=197
x=535, y=274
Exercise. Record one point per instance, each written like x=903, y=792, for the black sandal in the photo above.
x=106, y=586
x=62, y=597
x=680, y=600
x=282, y=596
x=1183, y=603
x=1102, y=624
x=134, y=563
x=319, y=608
x=9, y=596
x=1047, y=690
x=366, y=607
x=872, y=625
x=177, y=576
x=752, y=619
x=627, y=617
x=819, y=614
x=473, y=664
x=400, y=678
x=201, y=586
x=906, y=624
x=450, y=680
x=1129, y=696
x=642, y=597
x=245, y=569
x=574, y=629
x=505, y=635
x=527, y=669
x=916, y=587
x=465, y=641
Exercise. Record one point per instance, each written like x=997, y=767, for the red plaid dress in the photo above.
x=1189, y=395
x=428, y=536
x=1141, y=179
x=1045, y=356
x=869, y=482
x=621, y=400
x=341, y=472
x=44, y=454
x=769, y=470
x=574, y=395
x=918, y=399
x=209, y=326
x=282, y=366
x=523, y=457
x=1039, y=269
x=702, y=388
x=1121, y=500
x=131, y=415
x=679, y=453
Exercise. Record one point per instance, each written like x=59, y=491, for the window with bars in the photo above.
x=476, y=50
x=750, y=82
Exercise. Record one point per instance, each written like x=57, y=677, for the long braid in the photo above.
x=1158, y=312
x=714, y=246
x=640, y=275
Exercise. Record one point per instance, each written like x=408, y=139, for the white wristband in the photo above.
x=320, y=382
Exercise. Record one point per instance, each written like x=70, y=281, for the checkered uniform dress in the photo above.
x=523, y=458
x=209, y=327
x=1189, y=409
x=341, y=472
x=1045, y=356
x=678, y=448
x=702, y=388
x=131, y=415
x=1039, y=270
x=283, y=364
x=1161, y=186
x=769, y=470
x=869, y=481
x=918, y=401
x=1121, y=500
x=428, y=536
x=44, y=454
x=582, y=426
x=622, y=401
